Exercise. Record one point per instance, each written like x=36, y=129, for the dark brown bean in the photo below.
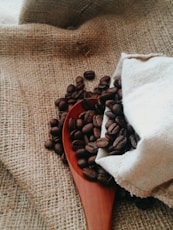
x=82, y=163
x=113, y=129
x=120, y=142
x=58, y=148
x=102, y=142
x=49, y=144
x=92, y=148
x=87, y=128
x=89, y=74
x=90, y=174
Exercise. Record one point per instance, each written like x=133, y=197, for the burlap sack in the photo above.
x=37, y=62
x=69, y=13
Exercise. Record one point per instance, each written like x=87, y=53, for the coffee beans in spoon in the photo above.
x=85, y=130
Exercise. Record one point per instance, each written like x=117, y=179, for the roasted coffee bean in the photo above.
x=117, y=83
x=113, y=129
x=106, y=96
x=90, y=174
x=82, y=153
x=88, y=116
x=110, y=103
x=117, y=109
x=97, y=120
x=103, y=86
x=79, y=123
x=91, y=160
x=121, y=121
x=79, y=80
x=89, y=74
x=58, y=148
x=82, y=163
x=55, y=130
x=104, y=179
x=102, y=142
x=120, y=142
x=108, y=123
x=76, y=135
x=92, y=138
x=96, y=132
x=77, y=144
x=63, y=105
x=57, y=139
x=110, y=115
x=71, y=123
x=71, y=88
x=92, y=148
x=105, y=78
x=54, y=122
x=62, y=119
x=49, y=144
x=88, y=128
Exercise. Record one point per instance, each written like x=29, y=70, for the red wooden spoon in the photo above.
x=97, y=200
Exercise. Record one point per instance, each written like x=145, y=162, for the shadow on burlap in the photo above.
x=37, y=62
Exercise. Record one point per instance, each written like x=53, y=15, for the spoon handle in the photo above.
x=97, y=202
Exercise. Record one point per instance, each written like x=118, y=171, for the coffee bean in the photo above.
x=91, y=160
x=82, y=163
x=96, y=132
x=120, y=142
x=55, y=130
x=77, y=144
x=92, y=148
x=89, y=74
x=110, y=114
x=58, y=148
x=90, y=174
x=102, y=142
x=97, y=120
x=49, y=144
x=117, y=109
x=63, y=105
x=72, y=123
x=121, y=121
x=82, y=153
x=105, y=79
x=79, y=80
x=54, y=122
x=88, y=128
x=71, y=88
x=113, y=129
x=76, y=135
x=88, y=116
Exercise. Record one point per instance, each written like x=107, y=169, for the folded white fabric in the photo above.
x=147, y=89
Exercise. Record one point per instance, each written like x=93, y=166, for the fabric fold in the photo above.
x=147, y=87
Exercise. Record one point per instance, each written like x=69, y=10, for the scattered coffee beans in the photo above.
x=89, y=75
x=86, y=129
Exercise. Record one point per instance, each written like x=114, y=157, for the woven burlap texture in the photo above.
x=37, y=62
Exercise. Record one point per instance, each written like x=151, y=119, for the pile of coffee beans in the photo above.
x=85, y=130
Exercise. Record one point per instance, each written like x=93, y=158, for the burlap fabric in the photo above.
x=37, y=62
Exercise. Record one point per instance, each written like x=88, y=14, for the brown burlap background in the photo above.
x=37, y=62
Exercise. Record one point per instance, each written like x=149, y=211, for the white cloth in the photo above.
x=147, y=88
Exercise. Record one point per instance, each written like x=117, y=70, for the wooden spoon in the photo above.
x=97, y=200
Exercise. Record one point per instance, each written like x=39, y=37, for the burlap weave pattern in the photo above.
x=37, y=62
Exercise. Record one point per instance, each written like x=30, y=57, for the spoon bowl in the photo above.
x=97, y=200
